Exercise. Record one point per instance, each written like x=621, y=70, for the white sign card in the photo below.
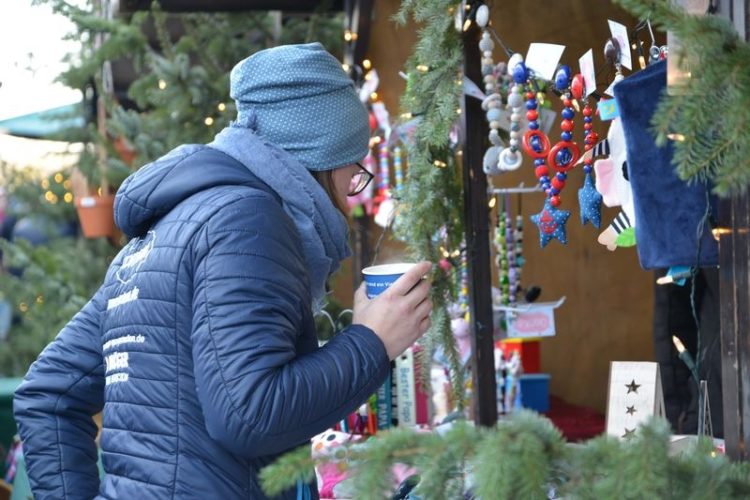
x=610, y=91
x=542, y=59
x=586, y=63
x=620, y=33
x=527, y=321
x=635, y=394
x=472, y=89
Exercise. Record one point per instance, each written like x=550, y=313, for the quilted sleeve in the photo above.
x=258, y=396
x=54, y=406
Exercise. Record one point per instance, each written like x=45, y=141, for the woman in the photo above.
x=200, y=346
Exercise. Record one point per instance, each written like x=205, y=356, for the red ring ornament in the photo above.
x=527, y=143
x=574, y=152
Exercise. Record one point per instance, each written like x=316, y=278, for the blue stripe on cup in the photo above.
x=379, y=278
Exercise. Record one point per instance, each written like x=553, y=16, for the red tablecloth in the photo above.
x=577, y=423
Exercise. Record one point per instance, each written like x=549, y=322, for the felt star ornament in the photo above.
x=630, y=410
x=551, y=223
x=590, y=202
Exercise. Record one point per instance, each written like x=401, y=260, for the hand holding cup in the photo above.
x=399, y=307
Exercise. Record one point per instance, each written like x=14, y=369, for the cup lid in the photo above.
x=386, y=269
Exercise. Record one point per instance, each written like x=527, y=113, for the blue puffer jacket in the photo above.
x=199, y=347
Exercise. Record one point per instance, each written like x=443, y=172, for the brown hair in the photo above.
x=325, y=179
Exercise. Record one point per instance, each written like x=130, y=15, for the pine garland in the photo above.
x=525, y=457
x=709, y=109
x=430, y=204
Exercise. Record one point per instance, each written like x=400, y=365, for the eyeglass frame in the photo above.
x=370, y=177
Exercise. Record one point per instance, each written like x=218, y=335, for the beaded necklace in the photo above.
x=550, y=221
x=491, y=104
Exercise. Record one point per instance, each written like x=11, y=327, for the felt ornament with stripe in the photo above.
x=613, y=184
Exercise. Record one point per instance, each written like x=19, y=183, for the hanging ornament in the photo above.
x=492, y=103
x=463, y=296
x=398, y=170
x=383, y=203
x=589, y=199
x=564, y=155
x=501, y=257
x=518, y=251
x=510, y=253
x=612, y=53
x=510, y=158
x=550, y=221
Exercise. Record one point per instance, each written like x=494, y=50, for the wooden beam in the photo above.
x=734, y=291
x=476, y=217
x=227, y=5
x=358, y=20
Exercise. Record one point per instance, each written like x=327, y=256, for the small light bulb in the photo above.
x=374, y=96
x=162, y=84
x=221, y=106
x=678, y=344
x=68, y=197
x=493, y=202
x=366, y=64
x=467, y=25
x=208, y=121
x=676, y=137
x=423, y=68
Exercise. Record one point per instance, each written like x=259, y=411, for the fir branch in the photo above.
x=524, y=457
x=434, y=95
x=284, y=473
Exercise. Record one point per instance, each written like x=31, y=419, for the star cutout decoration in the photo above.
x=632, y=387
x=590, y=202
x=629, y=433
x=551, y=223
x=630, y=410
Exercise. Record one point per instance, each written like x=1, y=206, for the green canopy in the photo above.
x=44, y=124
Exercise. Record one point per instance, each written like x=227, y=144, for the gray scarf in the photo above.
x=322, y=228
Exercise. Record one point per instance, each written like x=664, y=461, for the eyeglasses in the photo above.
x=360, y=180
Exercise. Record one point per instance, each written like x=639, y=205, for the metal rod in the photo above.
x=516, y=190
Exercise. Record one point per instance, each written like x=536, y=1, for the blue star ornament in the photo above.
x=551, y=223
x=590, y=202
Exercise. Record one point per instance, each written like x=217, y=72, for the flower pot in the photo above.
x=96, y=214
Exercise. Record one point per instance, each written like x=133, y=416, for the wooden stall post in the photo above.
x=476, y=220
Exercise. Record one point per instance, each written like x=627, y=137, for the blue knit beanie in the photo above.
x=300, y=99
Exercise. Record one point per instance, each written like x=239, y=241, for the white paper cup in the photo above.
x=379, y=278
